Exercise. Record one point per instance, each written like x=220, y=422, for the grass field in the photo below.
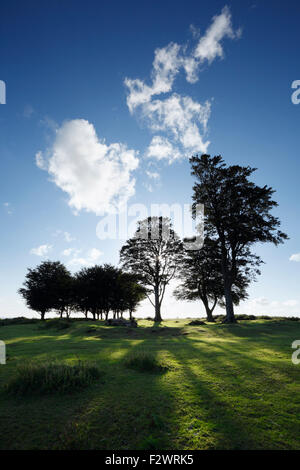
x=222, y=387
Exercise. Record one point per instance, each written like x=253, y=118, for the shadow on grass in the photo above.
x=222, y=391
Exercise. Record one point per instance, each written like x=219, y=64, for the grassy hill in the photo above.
x=222, y=387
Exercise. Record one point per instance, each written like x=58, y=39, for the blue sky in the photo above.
x=105, y=102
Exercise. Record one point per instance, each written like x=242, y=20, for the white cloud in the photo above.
x=209, y=46
x=152, y=174
x=149, y=187
x=68, y=237
x=41, y=250
x=69, y=251
x=92, y=257
x=161, y=148
x=97, y=177
x=183, y=119
x=295, y=257
x=166, y=66
x=40, y=161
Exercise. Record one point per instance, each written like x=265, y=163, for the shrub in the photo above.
x=244, y=316
x=52, y=377
x=264, y=317
x=144, y=361
x=196, y=322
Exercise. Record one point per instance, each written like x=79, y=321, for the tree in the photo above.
x=131, y=292
x=97, y=289
x=153, y=254
x=201, y=276
x=47, y=287
x=238, y=212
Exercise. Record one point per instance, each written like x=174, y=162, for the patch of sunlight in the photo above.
x=119, y=354
x=27, y=339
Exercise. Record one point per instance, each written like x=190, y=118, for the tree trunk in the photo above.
x=208, y=310
x=157, y=306
x=130, y=314
x=209, y=315
x=43, y=316
x=230, y=318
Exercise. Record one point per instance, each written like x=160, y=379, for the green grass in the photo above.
x=51, y=377
x=225, y=387
x=143, y=361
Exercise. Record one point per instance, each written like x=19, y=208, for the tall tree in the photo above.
x=47, y=287
x=153, y=254
x=239, y=213
x=201, y=277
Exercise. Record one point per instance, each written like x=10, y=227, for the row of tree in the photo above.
x=98, y=290
x=237, y=216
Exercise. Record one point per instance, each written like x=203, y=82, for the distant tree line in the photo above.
x=237, y=216
x=97, y=290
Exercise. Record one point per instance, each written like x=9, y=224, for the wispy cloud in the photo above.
x=90, y=259
x=70, y=251
x=41, y=250
x=97, y=177
x=183, y=120
x=152, y=174
x=68, y=237
x=295, y=257
x=8, y=207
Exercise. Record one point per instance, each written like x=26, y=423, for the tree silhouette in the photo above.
x=237, y=212
x=47, y=287
x=104, y=289
x=153, y=254
x=201, y=276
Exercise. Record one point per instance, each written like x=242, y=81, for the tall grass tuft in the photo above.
x=52, y=377
x=143, y=361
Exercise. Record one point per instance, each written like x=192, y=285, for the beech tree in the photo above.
x=237, y=212
x=153, y=253
x=47, y=287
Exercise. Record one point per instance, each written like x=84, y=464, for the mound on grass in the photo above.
x=144, y=361
x=56, y=323
x=52, y=377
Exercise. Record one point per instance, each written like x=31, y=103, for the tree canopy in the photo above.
x=47, y=287
x=153, y=254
